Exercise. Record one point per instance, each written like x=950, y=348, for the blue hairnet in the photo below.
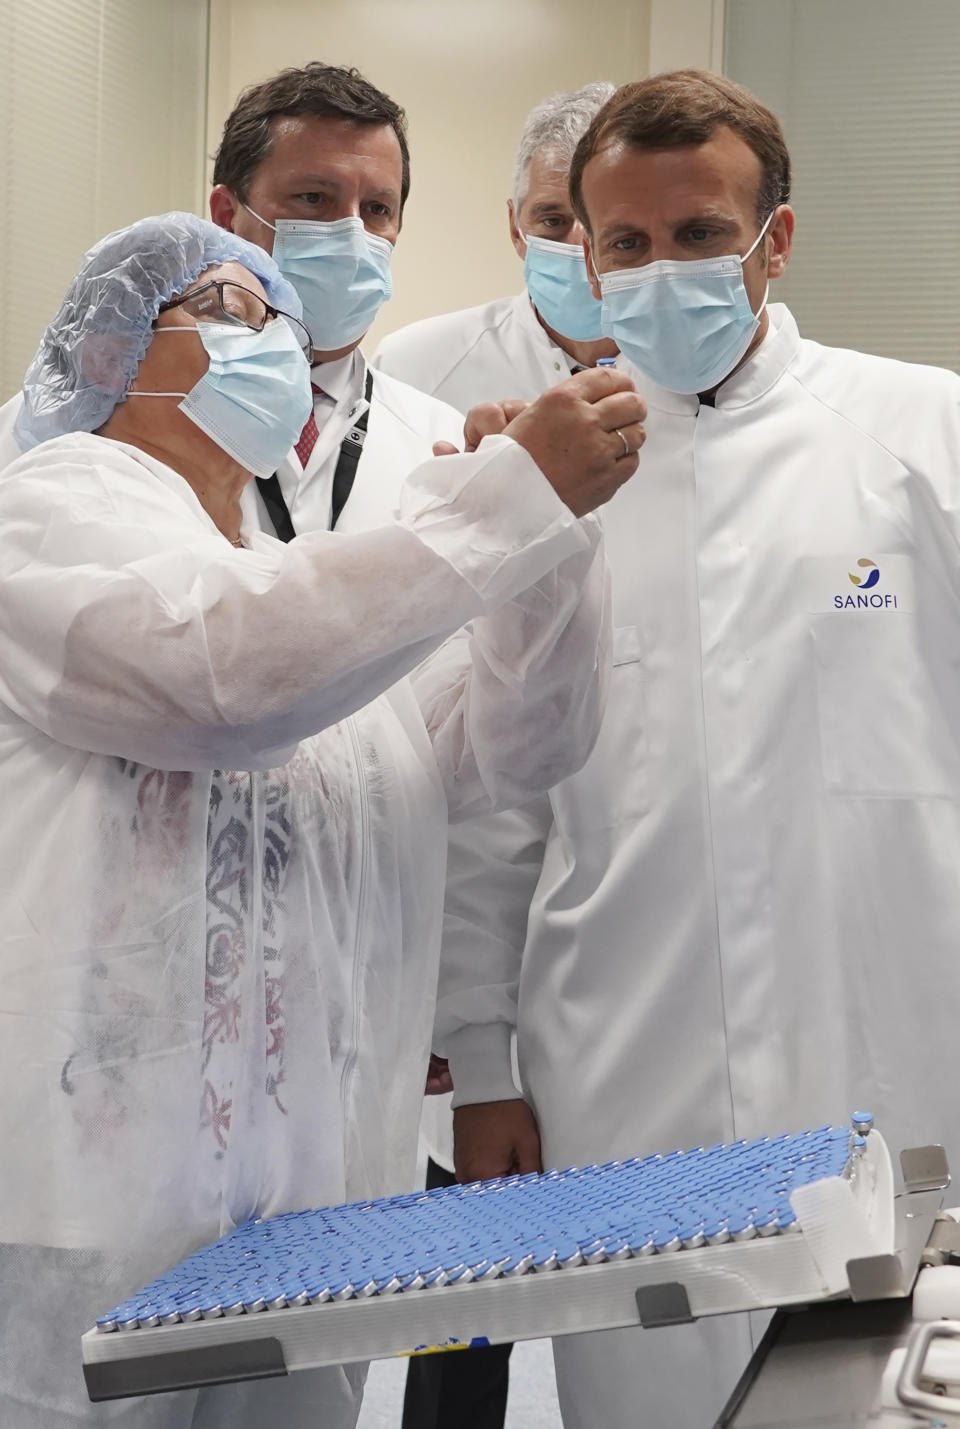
x=91, y=350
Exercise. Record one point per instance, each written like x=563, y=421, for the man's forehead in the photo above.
x=719, y=175
x=548, y=179
x=315, y=141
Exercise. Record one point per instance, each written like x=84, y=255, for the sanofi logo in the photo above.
x=871, y=579
x=876, y=600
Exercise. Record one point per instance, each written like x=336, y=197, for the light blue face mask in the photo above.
x=684, y=324
x=341, y=274
x=556, y=279
x=254, y=398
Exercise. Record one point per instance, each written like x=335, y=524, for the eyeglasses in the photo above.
x=225, y=302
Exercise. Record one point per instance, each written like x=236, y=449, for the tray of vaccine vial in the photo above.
x=656, y=1239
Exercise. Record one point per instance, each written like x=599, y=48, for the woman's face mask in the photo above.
x=255, y=396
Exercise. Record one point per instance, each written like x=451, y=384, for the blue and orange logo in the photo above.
x=866, y=582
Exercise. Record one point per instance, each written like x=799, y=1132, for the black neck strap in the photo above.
x=351, y=450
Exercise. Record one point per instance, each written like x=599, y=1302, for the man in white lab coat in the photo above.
x=521, y=345
x=740, y=917
x=314, y=167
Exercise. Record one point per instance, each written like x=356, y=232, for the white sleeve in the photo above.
x=129, y=627
x=493, y=868
x=513, y=703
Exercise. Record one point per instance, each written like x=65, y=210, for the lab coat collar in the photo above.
x=767, y=365
x=535, y=330
x=754, y=378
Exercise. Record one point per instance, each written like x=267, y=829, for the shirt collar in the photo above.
x=341, y=380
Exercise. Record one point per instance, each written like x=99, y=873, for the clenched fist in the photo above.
x=584, y=435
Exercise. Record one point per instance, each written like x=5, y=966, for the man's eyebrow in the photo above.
x=390, y=195
x=617, y=230
x=708, y=215
x=549, y=206
x=304, y=183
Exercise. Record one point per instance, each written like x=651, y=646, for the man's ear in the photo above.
x=591, y=269
x=781, y=241
x=223, y=207
x=516, y=237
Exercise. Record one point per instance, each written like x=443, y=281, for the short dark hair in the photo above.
x=686, y=107
x=317, y=89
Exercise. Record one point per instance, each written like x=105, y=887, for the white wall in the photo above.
x=467, y=72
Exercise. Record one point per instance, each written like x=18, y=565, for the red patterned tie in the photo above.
x=308, y=437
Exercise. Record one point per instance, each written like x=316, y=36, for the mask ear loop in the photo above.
x=182, y=395
x=766, y=292
x=266, y=223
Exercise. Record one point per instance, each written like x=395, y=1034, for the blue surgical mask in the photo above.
x=685, y=324
x=556, y=279
x=340, y=271
x=254, y=398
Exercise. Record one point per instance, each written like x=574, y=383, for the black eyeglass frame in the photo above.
x=306, y=341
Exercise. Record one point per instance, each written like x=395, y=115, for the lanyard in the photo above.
x=351, y=450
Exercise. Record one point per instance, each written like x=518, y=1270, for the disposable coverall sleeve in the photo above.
x=128, y=626
x=493, y=868
x=513, y=703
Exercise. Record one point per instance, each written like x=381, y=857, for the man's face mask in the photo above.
x=340, y=271
x=556, y=279
x=684, y=324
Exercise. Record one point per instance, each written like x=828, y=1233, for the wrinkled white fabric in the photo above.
x=740, y=917
x=218, y=927
x=9, y=446
x=481, y=354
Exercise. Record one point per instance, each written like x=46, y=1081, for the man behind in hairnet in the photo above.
x=226, y=796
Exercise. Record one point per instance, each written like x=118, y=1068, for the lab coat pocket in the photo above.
x=612, y=787
x=884, y=697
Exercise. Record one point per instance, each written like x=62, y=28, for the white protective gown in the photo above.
x=219, y=929
x=744, y=909
x=481, y=354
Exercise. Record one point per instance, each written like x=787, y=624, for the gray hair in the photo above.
x=557, y=124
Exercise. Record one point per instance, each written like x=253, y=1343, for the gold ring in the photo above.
x=626, y=444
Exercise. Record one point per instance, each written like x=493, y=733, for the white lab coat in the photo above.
x=741, y=916
x=481, y=354
x=219, y=929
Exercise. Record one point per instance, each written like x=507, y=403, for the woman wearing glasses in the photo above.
x=225, y=794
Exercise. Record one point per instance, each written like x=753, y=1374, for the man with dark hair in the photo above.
x=314, y=167
x=730, y=922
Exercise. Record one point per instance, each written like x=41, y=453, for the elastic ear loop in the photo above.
x=766, y=292
x=182, y=395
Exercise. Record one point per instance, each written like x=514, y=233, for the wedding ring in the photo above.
x=626, y=444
